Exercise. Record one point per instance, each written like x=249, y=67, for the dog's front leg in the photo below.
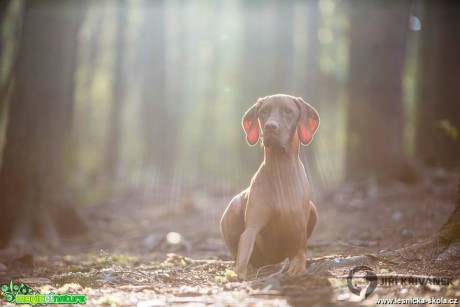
x=255, y=220
x=245, y=247
x=297, y=264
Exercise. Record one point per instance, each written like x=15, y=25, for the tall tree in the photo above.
x=158, y=124
x=377, y=50
x=119, y=89
x=438, y=120
x=450, y=231
x=283, y=46
x=31, y=177
x=438, y=97
x=255, y=75
x=6, y=35
x=310, y=87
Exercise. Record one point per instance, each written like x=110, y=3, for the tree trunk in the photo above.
x=450, y=231
x=5, y=38
x=158, y=123
x=283, y=46
x=378, y=43
x=119, y=90
x=311, y=73
x=438, y=118
x=31, y=177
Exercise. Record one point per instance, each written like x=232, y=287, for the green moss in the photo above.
x=88, y=279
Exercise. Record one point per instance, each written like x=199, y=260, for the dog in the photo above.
x=274, y=217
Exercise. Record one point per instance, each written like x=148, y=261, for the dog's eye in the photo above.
x=264, y=111
x=287, y=111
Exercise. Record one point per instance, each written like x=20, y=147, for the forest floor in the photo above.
x=127, y=258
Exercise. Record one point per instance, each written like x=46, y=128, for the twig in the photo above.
x=283, y=266
x=140, y=288
x=354, y=246
x=138, y=274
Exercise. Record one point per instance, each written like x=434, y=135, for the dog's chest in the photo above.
x=286, y=193
x=281, y=237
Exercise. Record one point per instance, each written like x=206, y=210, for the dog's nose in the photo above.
x=271, y=125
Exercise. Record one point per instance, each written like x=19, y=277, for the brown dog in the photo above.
x=273, y=218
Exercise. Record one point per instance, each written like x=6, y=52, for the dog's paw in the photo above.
x=241, y=272
x=297, y=267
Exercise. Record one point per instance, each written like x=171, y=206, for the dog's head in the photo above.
x=280, y=118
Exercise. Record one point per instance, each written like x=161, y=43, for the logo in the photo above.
x=370, y=277
x=22, y=294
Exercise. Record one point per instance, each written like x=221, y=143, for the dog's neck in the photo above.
x=283, y=172
x=281, y=157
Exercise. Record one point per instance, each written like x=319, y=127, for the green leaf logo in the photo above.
x=10, y=291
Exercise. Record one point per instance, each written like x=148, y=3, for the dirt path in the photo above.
x=127, y=260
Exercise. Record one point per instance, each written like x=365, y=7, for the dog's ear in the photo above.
x=308, y=121
x=251, y=124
